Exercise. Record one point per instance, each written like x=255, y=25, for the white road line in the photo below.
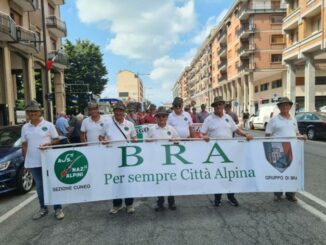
x=313, y=198
x=312, y=210
x=17, y=208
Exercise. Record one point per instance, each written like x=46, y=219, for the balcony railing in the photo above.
x=27, y=38
x=26, y=5
x=245, y=68
x=264, y=7
x=54, y=22
x=245, y=30
x=58, y=58
x=222, y=49
x=222, y=64
x=7, y=28
x=222, y=78
x=246, y=50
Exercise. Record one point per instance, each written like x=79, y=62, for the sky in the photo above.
x=156, y=39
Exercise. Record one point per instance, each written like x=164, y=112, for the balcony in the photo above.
x=245, y=68
x=246, y=50
x=291, y=21
x=222, y=37
x=58, y=2
x=27, y=41
x=222, y=78
x=222, y=65
x=245, y=31
x=26, y=5
x=258, y=8
x=7, y=28
x=222, y=51
x=60, y=59
x=56, y=26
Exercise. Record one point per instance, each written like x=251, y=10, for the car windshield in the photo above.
x=9, y=138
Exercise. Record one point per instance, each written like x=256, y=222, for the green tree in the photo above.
x=87, y=68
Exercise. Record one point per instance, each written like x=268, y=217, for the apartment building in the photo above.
x=23, y=69
x=304, y=55
x=242, y=57
x=130, y=86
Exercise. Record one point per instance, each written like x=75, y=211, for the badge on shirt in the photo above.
x=126, y=128
x=227, y=120
x=186, y=119
x=169, y=133
x=44, y=129
x=101, y=124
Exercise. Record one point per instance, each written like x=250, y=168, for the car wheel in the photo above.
x=251, y=126
x=311, y=134
x=24, y=181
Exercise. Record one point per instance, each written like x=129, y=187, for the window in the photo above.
x=320, y=80
x=123, y=94
x=256, y=89
x=277, y=83
x=16, y=17
x=265, y=101
x=51, y=10
x=294, y=36
x=277, y=39
x=264, y=87
x=276, y=58
x=277, y=19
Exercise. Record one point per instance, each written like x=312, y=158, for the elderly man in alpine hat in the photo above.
x=283, y=125
x=37, y=134
x=220, y=125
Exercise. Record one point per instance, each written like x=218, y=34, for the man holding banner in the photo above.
x=163, y=131
x=220, y=125
x=283, y=125
x=119, y=129
x=180, y=120
x=37, y=134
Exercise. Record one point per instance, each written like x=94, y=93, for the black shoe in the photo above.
x=159, y=208
x=233, y=202
x=217, y=203
x=172, y=206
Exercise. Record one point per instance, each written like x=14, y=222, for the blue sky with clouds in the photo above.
x=154, y=37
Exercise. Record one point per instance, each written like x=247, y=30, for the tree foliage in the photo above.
x=86, y=67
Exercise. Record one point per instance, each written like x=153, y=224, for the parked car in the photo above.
x=13, y=175
x=322, y=109
x=313, y=124
x=265, y=112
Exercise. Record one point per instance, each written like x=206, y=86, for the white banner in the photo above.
x=162, y=168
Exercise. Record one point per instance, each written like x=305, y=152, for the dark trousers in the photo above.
x=160, y=200
x=288, y=194
x=118, y=202
x=37, y=176
x=219, y=196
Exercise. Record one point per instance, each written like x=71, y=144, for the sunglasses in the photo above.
x=161, y=116
x=178, y=106
x=219, y=104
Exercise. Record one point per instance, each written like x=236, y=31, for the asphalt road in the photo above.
x=258, y=220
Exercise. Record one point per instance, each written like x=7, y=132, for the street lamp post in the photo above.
x=46, y=100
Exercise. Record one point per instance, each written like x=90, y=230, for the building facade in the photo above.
x=251, y=57
x=304, y=55
x=23, y=66
x=130, y=86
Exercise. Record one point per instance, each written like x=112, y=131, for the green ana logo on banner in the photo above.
x=71, y=167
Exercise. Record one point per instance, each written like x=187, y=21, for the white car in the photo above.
x=322, y=109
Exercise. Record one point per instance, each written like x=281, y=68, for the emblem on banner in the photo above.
x=71, y=167
x=278, y=154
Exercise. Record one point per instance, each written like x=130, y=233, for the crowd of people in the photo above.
x=168, y=124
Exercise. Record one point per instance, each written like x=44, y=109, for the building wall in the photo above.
x=128, y=82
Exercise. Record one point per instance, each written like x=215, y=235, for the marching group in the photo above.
x=175, y=124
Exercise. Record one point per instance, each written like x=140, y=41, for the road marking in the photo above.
x=313, y=198
x=17, y=208
x=312, y=210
